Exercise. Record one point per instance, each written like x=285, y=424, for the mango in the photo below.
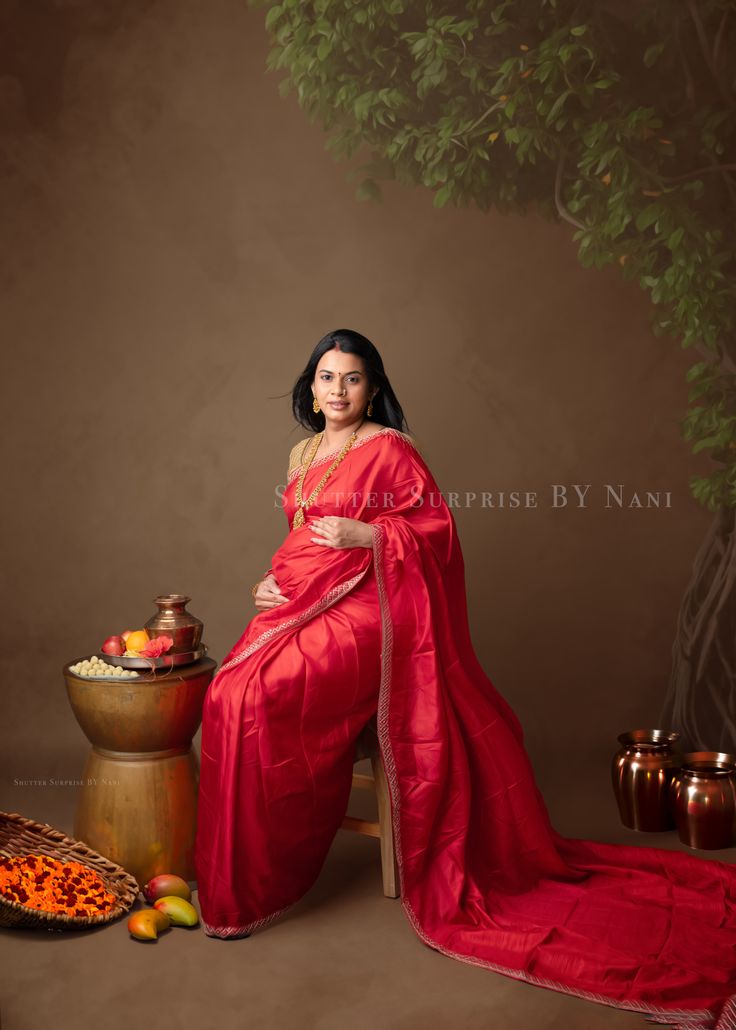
x=179, y=911
x=147, y=923
x=166, y=885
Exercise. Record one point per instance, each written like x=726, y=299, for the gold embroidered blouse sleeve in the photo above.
x=297, y=455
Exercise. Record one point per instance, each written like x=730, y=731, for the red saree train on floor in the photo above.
x=484, y=876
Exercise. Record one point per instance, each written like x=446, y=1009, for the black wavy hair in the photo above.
x=386, y=408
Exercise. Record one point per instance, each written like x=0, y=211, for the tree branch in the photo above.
x=699, y=171
x=485, y=114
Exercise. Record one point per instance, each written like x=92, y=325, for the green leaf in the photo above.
x=647, y=216
x=557, y=106
x=695, y=371
x=709, y=441
x=368, y=190
x=442, y=195
x=363, y=104
x=273, y=16
x=578, y=30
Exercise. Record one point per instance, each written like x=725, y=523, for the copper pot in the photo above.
x=703, y=800
x=176, y=622
x=642, y=772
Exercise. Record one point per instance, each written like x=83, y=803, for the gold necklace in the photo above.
x=300, y=504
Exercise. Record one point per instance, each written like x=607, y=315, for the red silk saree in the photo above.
x=484, y=876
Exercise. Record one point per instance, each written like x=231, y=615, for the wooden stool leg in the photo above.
x=388, y=852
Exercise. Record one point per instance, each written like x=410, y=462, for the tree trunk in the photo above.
x=701, y=698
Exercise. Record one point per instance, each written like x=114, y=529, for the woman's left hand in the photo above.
x=336, y=531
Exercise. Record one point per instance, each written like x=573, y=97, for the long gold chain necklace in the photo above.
x=300, y=504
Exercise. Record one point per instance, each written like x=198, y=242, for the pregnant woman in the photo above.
x=362, y=611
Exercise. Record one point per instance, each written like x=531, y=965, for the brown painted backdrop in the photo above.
x=175, y=241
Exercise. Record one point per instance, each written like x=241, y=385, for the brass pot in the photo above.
x=175, y=621
x=642, y=771
x=703, y=799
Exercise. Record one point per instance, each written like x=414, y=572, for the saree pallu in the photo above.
x=484, y=876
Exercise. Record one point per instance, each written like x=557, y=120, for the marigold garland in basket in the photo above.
x=46, y=884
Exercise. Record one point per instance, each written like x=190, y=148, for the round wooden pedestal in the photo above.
x=138, y=803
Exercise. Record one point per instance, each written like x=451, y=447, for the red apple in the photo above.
x=114, y=646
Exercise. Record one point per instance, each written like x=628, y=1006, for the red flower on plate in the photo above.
x=156, y=647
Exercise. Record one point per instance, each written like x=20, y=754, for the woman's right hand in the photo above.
x=268, y=594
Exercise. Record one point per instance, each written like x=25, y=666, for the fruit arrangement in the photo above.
x=137, y=644
x=40, y=882
x=94, y=666
x=171, y=900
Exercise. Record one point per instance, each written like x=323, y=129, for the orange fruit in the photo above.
x=137, y=640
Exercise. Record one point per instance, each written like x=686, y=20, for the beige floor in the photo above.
x=343, y=957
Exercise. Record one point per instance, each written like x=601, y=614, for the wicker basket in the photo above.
x=19, y=836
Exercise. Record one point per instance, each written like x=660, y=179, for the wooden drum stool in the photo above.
x=138, y=802
x=368, y=747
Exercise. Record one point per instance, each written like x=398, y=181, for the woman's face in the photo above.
x=341, y=387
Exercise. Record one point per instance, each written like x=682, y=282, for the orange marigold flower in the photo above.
x=43, y=883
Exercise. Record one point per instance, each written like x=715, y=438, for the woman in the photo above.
x=364, y=610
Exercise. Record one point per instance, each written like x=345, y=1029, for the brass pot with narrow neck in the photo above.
x=176, y=622
x=642, y=772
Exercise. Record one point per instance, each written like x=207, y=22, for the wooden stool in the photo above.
x=368, y=747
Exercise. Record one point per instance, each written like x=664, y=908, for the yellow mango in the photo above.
x=147, y=923
x=179, y=911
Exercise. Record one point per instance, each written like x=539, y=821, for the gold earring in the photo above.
x=315, y=405
x=369, y=410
